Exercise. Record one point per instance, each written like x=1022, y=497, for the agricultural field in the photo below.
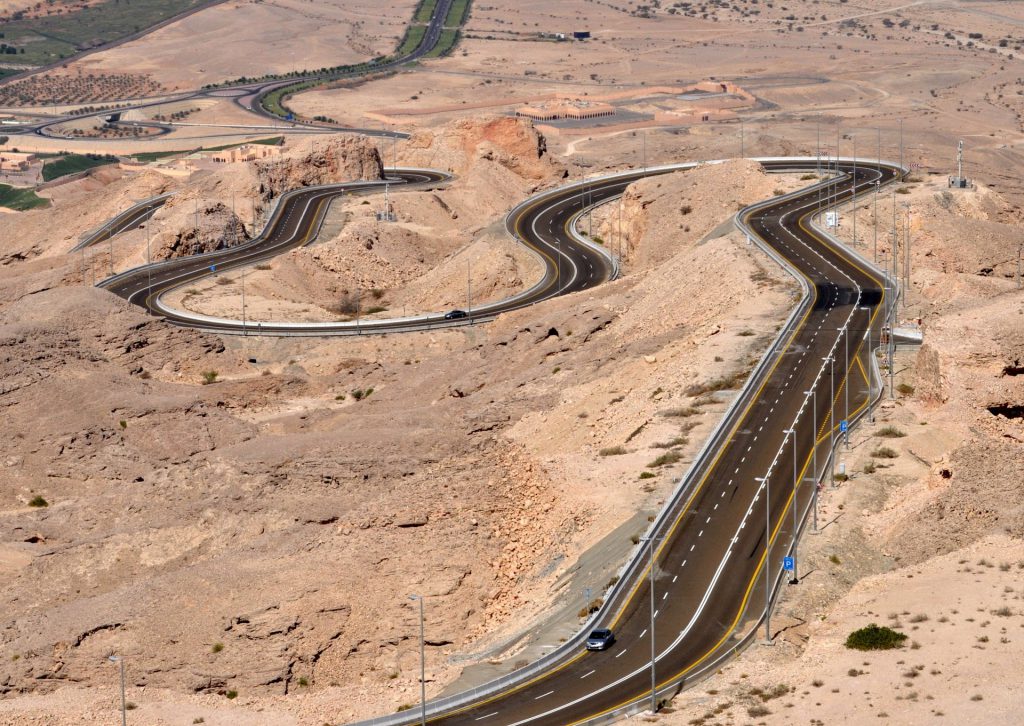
x=48, y=38
x=20, y=199
x=74, y=163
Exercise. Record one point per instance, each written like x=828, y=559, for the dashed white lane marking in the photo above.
x=481, y=718
x=709, y=518
x=643, y=633
x=588, y=674
x=691, y=547
x=543, y=695
x=684, y=564
x=701, y=533
x=620, y=654
x=665, y=595
x=675, y=577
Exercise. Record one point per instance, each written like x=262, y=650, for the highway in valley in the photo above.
x=719, y=543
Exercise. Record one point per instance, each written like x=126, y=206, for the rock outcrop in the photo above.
x=513, y=143
x=343, y=158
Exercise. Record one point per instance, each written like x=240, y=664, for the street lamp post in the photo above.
x=796, y=577
x=831, y=360
x=846, y=386
x=124, y=709
x=854, y=211
x=654, y=680
x=767, y=555
x=423, y=666
x=813, y=393
x=878, y=185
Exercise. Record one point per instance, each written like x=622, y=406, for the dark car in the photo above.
x=600, y=639
x=455, y=315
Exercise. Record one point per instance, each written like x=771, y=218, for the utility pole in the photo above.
x=767, y=556
x=620, y=226
x=831, y=360
x=813, y=393
x=1020, y=248
x=245, y=331
x=901, y=148
x=423, y=666
x=124, y=706
x=817, y=152
x=906, y=258
x=796, y=578
x=110, y=239
x=149, y=263
x=846, y=384
x=854, y=191
x=743, y=150
x=878, y=185
x=654, y=681
x=644, y=136
x=469, y=292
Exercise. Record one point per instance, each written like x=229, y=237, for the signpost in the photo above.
x=787, y=564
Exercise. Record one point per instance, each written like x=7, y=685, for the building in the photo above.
x=15, y=161
x=245, y=152
x=568, y=110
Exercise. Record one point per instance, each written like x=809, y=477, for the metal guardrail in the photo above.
x=85, y=239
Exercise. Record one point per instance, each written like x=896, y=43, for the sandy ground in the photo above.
x=911, y=538
x=255, y=38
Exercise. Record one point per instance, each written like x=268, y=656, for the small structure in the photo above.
x=959, y=181
x=573, y=109
x=581, y=35
x=15, y=161
x=245, y=152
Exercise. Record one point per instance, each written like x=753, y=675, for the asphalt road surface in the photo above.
x=128, y=219
x=710, y=571
x=709, y=563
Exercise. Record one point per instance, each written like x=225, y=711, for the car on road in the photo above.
x=456, y=315
x=600, y=639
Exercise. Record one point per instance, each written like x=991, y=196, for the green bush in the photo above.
x=875, y=637
x=890, y=432
x=38, y=501
x=613, y=451
x=647, y=475
x=669, y=457
x=884, y=452
x=232, y=695
x=209, y=377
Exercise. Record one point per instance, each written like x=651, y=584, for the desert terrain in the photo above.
x=188, y=523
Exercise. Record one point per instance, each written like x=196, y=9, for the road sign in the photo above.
x=831, y=219
x=213, y=268
x=844, y=426
x=787, y=563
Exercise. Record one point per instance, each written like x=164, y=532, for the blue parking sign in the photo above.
x=787, y=563
x=844, y=426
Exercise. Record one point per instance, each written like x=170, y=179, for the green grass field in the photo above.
x=50, y=38
x=424, y=11
x=74, y=163
x=449, y=37
x=20, y=199
x=412, y=39
x=457, y=14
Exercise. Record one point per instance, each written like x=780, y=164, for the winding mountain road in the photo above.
x=721, y=539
